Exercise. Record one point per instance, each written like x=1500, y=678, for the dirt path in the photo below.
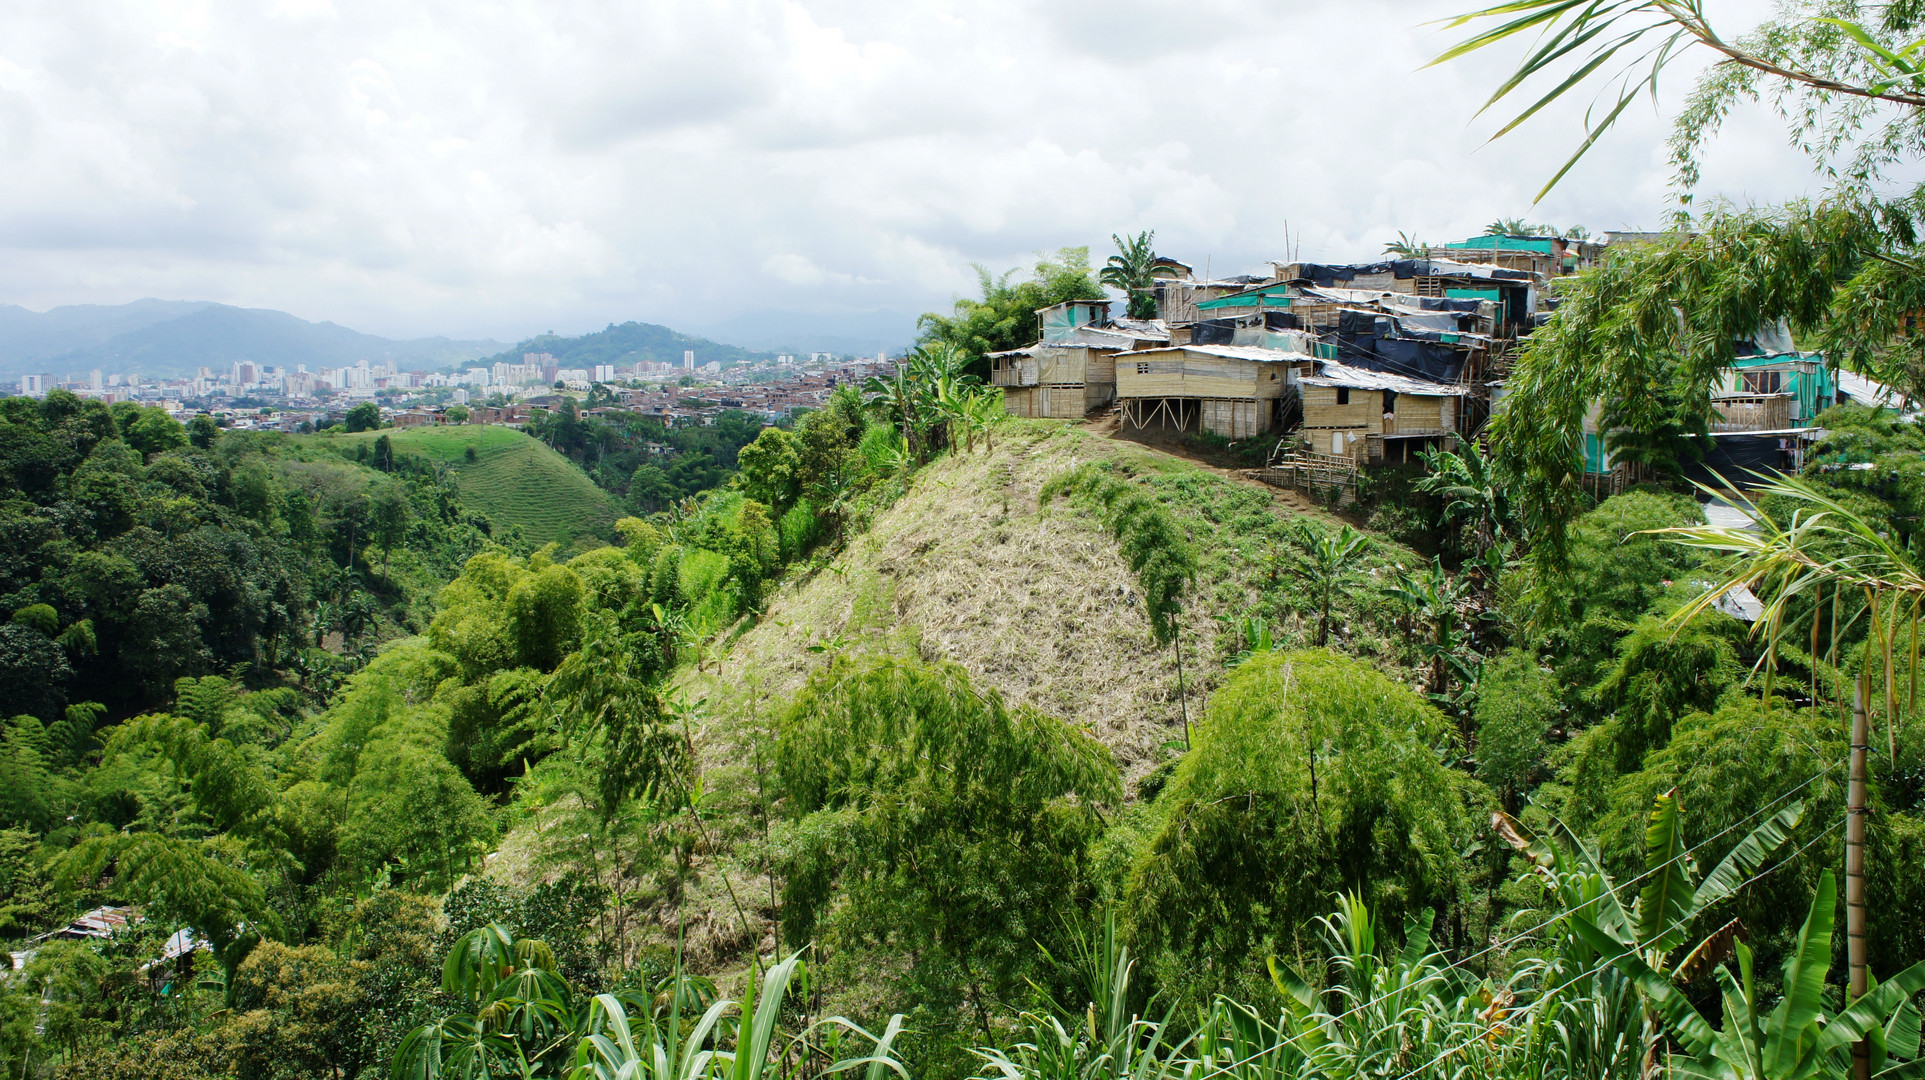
x=1110, y=425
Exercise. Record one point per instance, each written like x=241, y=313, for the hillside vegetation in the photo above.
x=513, y=479
x=1036, y=600
x=979, y=736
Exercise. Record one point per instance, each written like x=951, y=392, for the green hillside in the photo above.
x=513, y=479
x=627, y=343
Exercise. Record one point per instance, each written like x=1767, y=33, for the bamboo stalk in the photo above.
x=1860, y=983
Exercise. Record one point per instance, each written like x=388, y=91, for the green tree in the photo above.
x=154, y=432
x=411, y=812
x=611, y=707
x=768, y=469
x=202, y=431
x=388, y=520
x=1517, y=702
x=544, y=613
x=27, y=901
x=363, y=417
x=1005, y=316
x=1132, y=272
x=456, y=413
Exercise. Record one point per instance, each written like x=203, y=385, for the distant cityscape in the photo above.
x=293, y=398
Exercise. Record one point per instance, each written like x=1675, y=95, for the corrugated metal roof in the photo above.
x=1233, y=352
x=1331, y=373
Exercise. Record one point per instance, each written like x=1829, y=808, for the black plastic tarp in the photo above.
x=1213, y=332
x=1330, y=275
x=1735, y=455
x=1417, y=359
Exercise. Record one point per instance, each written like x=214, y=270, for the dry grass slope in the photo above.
x=1034, y=601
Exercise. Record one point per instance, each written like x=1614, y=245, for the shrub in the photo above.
x=1310, y=774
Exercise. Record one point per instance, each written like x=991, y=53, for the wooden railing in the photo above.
x=1304, y=470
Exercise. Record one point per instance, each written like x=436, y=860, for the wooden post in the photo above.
x=1860, y=983
x=1182, y=693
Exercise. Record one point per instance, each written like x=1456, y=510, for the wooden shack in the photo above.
x=1065, y=381
x=1228, y=390
x=1374, y=416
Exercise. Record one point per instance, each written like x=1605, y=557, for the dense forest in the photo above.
x=644, y=461
x=919, y=740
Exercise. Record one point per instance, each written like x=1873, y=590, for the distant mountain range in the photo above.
x=173, y=337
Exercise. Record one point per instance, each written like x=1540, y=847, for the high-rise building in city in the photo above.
x=33, y=385
x=688, y=359
x=604, y=373
x=93, y=380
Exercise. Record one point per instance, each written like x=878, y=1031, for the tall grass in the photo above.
x=1150, y=539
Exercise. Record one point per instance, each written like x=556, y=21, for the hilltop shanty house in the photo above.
x=1374, y=416
x=1236, y=391
x=1064, y=381
x=1771, y=392
x=1069, y=372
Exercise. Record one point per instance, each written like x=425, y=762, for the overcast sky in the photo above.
x=503, y=168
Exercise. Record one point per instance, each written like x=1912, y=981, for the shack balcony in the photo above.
x=1752, y=412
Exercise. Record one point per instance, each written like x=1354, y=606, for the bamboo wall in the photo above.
x=1324, y=419
x=1056, y=365
x=1071, y=402
x=1416, y=412
x=1236, y=419
x=1186, y=374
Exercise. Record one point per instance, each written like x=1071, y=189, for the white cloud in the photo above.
x=443, y=167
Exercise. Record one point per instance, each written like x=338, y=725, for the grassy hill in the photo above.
x=1035, y=600
x=513, y=479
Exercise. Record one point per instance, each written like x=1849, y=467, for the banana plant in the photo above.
x=1657, y=923
x=1434, y=597
x=1795, y=1040
x=524, y=1013
x=1328, y=566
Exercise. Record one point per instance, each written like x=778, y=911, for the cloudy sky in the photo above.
x=505, y=167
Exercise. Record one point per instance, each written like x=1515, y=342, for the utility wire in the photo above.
x=1448, y=1051
x=1520, y=935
